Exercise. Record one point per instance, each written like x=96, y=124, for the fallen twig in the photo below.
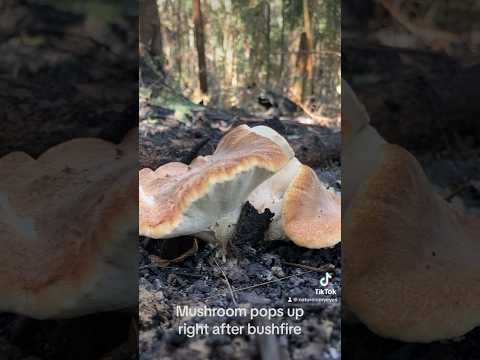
x=322, y=268
x=228, y=282
x=261, y=284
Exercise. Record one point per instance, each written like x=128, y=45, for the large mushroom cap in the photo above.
x=67, y=229
x=180, y=200
x=411, y=268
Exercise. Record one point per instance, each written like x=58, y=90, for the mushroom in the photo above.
x=68, y=229
x=304, y=210
x=411, y=268
x=206, y=197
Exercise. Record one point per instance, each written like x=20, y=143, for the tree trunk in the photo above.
x=179, y=47
x=200, y=45
x=150, y=28
x=267, y=42
x=297, y=86
x=283, y=47
x=308, y=79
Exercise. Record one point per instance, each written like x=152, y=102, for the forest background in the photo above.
x=224, y=52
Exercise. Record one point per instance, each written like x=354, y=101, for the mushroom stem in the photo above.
x=222, y=231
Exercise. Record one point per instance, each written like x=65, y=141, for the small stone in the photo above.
x=278, y=271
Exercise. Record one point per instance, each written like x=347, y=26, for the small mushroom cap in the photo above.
x=311, y=214
x=67, y=229
x=304, y=210
x=182, y=200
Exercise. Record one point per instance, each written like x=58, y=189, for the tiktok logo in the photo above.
x=325, y=280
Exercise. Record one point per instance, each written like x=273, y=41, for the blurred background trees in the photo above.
x=224, y=52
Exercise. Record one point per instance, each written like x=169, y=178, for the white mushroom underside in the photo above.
x=219, y=207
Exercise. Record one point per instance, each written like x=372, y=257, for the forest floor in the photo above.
x=254, y=273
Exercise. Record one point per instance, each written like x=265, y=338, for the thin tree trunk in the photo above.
x=246, y=54
x=267, y=42
x=200, y=45
x=296, y=88
x=228, y=44
x=234, y=67
x=178, y=49
x=207, y=29
x=283, y=48
x=150, y=28
x=307, y=28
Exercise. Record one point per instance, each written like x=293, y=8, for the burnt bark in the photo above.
x=200, y=45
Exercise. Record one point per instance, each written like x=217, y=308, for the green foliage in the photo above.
x=172, y=101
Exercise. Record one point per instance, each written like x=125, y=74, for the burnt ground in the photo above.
x=264, y=271
x=165, y=138
x=259, y=273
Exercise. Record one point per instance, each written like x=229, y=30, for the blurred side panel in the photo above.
x=68, y=179
x=411, y=175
